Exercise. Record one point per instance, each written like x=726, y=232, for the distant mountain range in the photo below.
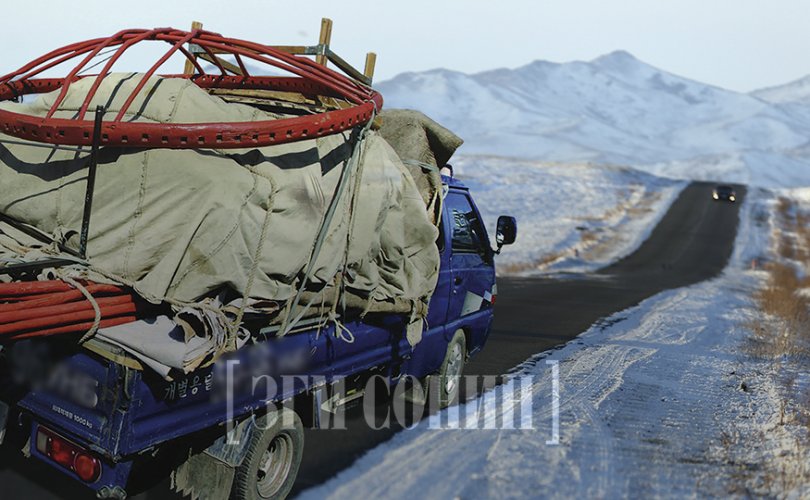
x=617, y=109
x=797, y=92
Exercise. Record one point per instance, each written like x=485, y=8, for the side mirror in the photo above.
x=506, y=231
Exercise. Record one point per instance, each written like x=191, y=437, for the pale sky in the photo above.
x=737, y=44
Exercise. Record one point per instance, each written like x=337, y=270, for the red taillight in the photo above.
x=86, y=467
x=60, y=452
x=69, y=455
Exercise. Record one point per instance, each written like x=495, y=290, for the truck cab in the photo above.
x=100, y=416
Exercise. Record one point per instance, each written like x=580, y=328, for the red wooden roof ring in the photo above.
x=309, y=78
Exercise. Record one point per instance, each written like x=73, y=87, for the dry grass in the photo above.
x=784, y=328
x=545, y=260
x=781, y=335
x=515, y=268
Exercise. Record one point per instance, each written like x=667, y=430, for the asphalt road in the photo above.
x=692, y=243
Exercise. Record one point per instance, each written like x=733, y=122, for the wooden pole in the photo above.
x=325, y=39
x=189, y=69
x=371, y=63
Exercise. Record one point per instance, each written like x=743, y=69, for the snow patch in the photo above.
x=571, y=217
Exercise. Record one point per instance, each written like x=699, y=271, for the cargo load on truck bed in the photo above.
x=338, y=224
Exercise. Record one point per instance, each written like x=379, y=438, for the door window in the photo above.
x=468, y=232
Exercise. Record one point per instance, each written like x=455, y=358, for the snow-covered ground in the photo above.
x=659, y=400
x=571, y=217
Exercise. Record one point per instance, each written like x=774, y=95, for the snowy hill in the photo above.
x=791, y=93
x=619, y=110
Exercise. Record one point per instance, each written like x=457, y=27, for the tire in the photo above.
x=443, y=386
x=272, y=459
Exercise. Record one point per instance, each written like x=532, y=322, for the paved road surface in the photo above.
x=692, y=243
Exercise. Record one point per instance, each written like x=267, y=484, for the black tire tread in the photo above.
x=244, y=482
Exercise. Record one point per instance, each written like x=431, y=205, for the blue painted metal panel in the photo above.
x=89, y=423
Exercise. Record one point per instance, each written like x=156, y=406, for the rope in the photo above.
x=96, y=309
x=103, y=53
x=352, y=210
x=120, y=280
x=254, y=268
x=321, y=322
x=303, y=311
x=354, y=160
x=341, y=331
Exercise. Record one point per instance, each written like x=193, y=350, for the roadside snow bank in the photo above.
x=775, y=455
x=657, y=400
x=643, y=402
x=571, y=217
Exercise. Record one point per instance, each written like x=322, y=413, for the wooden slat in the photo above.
x=236, y=70
x=297, y=50
x=325, y=39
x=320, y=101
x=189, y=68
x=282, y=107
x=371, y=63
x=265, y=94
x=220, y=51
x=332, y=103
x=346, y=67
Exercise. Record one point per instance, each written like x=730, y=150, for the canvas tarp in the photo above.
x=424, y=146
x=416, y=137
x=183, y=224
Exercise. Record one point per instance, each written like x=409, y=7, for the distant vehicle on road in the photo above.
x=725, y=193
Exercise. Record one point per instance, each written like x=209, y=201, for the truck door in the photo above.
x=472, y=267
x=437, y=313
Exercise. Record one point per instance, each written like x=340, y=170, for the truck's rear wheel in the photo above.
x=272, y=459
x=445, y=385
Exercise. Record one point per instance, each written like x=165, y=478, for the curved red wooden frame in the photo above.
x=310, y=79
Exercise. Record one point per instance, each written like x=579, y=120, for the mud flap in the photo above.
x=209, y=475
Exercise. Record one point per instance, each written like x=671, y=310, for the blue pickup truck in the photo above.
x=234, y=429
